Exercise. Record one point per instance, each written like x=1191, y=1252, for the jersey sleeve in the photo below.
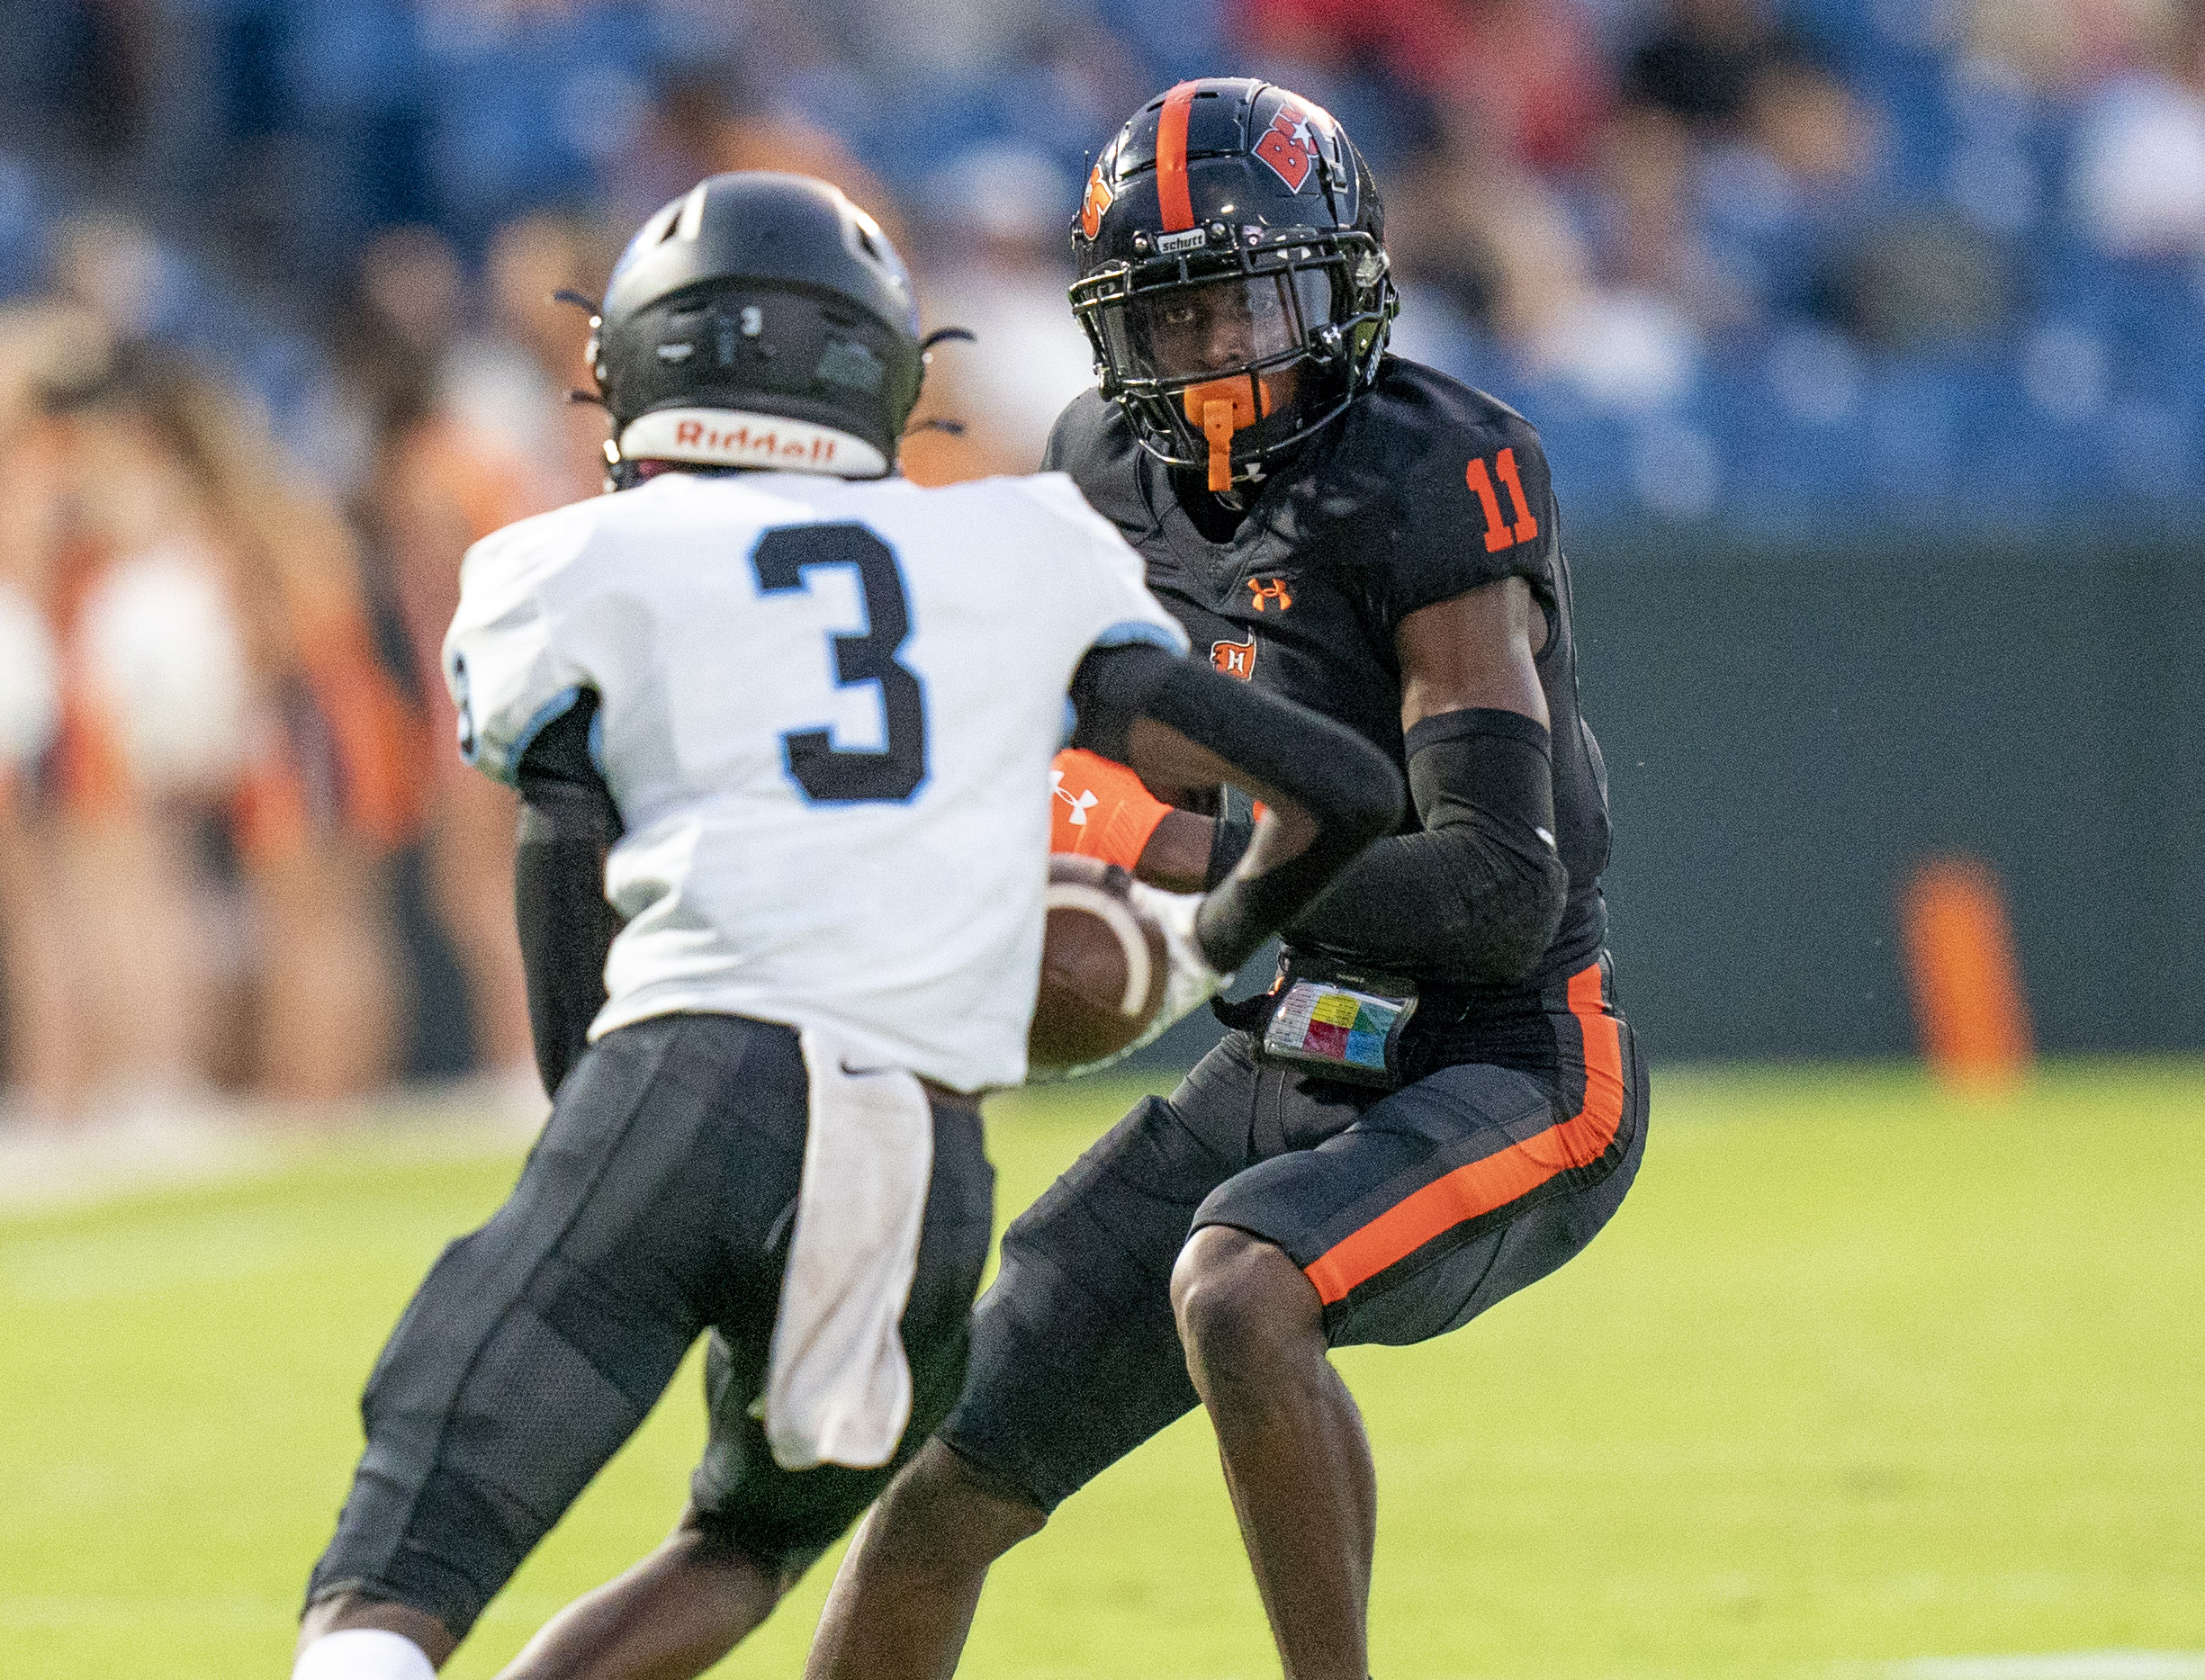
x=503, y=659
x=1120, y=611
x=1074, y=437
x=1473, y=503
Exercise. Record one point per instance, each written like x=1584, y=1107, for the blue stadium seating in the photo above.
x=2089, y=403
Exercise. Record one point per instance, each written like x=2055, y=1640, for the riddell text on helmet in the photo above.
x=734, y=437
x=816, y=447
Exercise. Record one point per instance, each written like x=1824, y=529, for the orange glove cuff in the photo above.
x=1099, y=809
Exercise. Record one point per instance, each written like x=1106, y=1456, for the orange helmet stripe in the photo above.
x=1172, y=195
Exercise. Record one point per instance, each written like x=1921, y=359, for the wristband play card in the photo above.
x=1339, y=1031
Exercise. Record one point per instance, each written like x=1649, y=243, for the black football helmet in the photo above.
x=759, y=320
x=1232, y=274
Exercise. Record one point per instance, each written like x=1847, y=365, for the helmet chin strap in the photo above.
x=1222, y=407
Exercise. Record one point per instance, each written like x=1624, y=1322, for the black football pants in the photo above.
x=1410, y=1212
x=657, y=1206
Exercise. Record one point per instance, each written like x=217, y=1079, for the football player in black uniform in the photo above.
x=1439, y=1102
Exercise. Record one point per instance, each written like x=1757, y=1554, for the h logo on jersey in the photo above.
x=1081, y=806
x=1264, y=590
x=1234, y=658
x=1288, y=147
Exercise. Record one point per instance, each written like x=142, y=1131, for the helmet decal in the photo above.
x=1098, y=199
x=1172, y=198
x=1288, y=147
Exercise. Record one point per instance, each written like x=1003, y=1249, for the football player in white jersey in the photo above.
x=781, y=723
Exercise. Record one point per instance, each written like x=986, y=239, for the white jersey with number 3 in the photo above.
x=826, y=713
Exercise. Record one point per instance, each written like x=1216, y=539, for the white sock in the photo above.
x=363, y=1654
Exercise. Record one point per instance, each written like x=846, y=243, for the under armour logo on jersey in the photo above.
x=1288, y=148
x=1081, y=806
x=1234, y=658
x=1263, y=590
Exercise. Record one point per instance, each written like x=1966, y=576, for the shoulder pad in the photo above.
x=1093, y=444
x=1414, y=413
x=523, y=552
x=1443, y=488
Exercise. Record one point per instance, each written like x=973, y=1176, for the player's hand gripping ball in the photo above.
x=1103, y=968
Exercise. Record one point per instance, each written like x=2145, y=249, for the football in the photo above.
x=1103, y=968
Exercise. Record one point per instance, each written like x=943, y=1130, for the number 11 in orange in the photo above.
x=1498, y=533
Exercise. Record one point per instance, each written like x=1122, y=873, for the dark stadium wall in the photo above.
x=1790, y=731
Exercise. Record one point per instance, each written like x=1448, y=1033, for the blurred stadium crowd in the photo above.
x=277, y=341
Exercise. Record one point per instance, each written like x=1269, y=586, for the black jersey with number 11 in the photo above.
x=1422, y=491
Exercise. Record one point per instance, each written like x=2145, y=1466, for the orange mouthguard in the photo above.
x=1222, y=407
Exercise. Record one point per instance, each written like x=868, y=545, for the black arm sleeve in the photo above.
x=1346, y=785
x=1475, y=899
x=568, y=823
x=1110, y=689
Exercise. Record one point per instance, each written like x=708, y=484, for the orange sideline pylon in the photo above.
x=1964, y=975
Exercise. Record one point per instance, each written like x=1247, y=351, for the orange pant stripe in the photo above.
x=1480, y=1187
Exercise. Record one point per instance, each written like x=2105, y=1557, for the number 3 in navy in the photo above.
x=828, y=773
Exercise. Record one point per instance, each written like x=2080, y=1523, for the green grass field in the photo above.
x=1860, y=1375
